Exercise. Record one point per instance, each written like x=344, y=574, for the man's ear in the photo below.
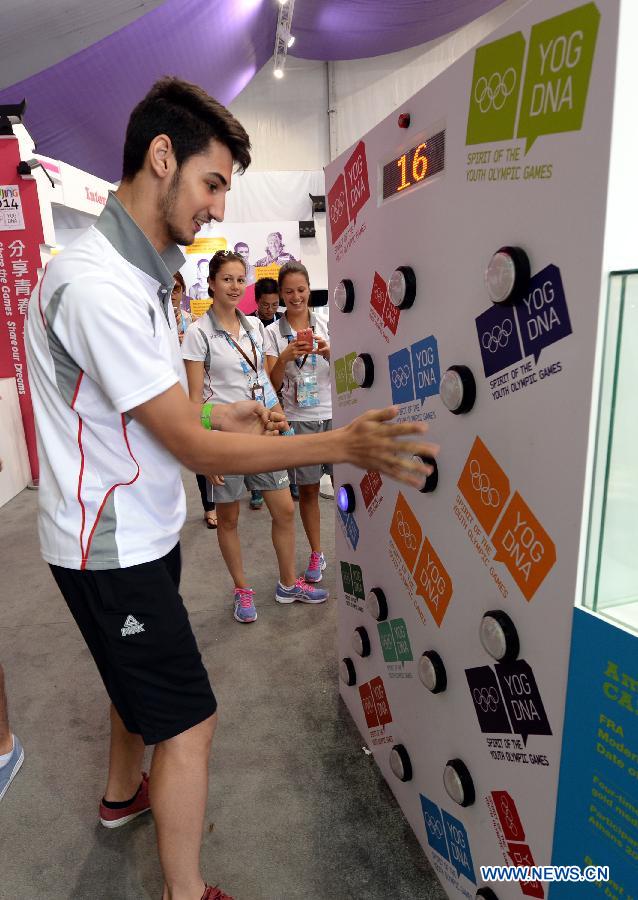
x=161, y=157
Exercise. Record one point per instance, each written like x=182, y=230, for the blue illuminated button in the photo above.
x=346, y=500
x=499, y=636
x=402, y=287
x=361, y=642
x=347, y=671
x=377, y=605
x=363, y=370
x=507, y=275
x=344, y=295
x=432, y=672
x=400, y=763
x=458, y=389
x=458, y=782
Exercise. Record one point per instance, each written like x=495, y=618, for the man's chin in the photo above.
x=183, y=238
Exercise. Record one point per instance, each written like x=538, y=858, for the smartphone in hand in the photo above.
x=305, y=337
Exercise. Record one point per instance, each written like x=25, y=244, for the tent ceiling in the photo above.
x=36, y=35
x=78, y=104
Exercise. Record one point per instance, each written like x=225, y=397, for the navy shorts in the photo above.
x=137, y=628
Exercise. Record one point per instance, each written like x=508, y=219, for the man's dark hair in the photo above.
x=191, y=119
x=265, y=286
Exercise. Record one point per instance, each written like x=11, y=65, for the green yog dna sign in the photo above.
x=551, y=95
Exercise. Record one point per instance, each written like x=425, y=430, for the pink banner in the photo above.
x=20, y=239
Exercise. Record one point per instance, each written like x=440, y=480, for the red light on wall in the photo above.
x=404, y=120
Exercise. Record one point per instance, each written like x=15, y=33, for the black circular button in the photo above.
x=458, y=389
x=458, y=782
x=344, y=295
x=363, y=370
x=432, y=672
x=376, y=604
x=429, y=481
x=400, y=763
x=402, y=287
x=499, y=636
x=361, y=642
x=507, y=275
x=346, y=498
x=347, y=671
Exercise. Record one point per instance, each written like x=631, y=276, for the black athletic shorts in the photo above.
x=136, y=626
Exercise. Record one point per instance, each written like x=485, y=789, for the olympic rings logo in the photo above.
x=498, y=337
x=433, y=826
x=508, y=815
x=401, y=376
x=405, y=532
x=486, y=698
x=336, y=208
x=482, y=485
x=492, y=92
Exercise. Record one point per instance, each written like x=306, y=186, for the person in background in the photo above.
x=182, y=317
x=300, y=370
x=276, y=253
x=224, y=357
x=267, y=298
x=244, y=251
x=199, y=288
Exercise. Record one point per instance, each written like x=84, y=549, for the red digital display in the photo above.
x=414, y=166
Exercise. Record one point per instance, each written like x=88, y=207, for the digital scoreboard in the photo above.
x=414, y=166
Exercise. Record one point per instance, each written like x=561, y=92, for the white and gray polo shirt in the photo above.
x=227, y=378
x=101, y=339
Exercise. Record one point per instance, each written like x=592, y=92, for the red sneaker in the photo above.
x=215, y=893
x=113, y=818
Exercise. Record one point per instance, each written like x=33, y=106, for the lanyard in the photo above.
x=233, y=343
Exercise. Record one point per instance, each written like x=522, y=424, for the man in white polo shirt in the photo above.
x=114, y=424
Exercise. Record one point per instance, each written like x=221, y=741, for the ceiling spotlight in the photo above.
x=278, y=73
x=283, y=2
x=291, y=41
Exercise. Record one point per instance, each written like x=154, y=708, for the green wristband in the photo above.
x=205, y=416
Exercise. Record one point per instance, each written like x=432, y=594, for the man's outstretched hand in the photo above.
x=372, y=441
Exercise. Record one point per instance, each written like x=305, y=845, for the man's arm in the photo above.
x=369, y=442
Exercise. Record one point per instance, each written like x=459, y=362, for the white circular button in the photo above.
x=458, y=389
x=507, y=275
x=376, y=604
x=347, y=671
x=402, y=287
x=344, y=295
x=458, y=782
x=361, y=642
x=498, y=636
x=432, y=672
x=400, y=763
x=363, y=370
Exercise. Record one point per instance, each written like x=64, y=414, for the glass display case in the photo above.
x=611, y=573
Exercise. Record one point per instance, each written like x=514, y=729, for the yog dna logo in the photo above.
x=553, y=94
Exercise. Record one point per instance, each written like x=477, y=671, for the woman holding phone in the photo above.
x=224, y=358
x=298, y=361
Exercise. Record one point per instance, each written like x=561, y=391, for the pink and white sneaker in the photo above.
x=315, y=567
